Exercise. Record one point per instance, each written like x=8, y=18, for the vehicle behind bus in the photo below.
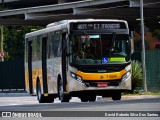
x=78, y=58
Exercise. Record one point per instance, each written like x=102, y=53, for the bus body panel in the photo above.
x=53, y=70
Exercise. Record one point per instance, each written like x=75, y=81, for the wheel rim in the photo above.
x=39, y=92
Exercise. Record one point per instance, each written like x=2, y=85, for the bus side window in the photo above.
x=38, y=48
x=34, y=49
x=26, y=50
x=49, y=46
x=57, y=46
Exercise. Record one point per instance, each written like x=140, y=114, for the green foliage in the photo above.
x=14, y=37
x=2, y=7
x=136, y=74
x=156, y=32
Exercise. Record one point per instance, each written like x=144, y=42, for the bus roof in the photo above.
x=65, y=22
x=83, y=20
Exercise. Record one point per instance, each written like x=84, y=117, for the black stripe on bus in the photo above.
x=44, y=64
x=30, y=66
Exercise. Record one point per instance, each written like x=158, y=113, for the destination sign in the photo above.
x=98, y=26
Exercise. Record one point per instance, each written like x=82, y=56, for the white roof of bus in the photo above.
x=82, y=20
x=68, y=21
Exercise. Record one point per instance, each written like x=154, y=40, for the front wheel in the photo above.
x=40, y=97
x=116, y=95
x=50, y=99
x=62, y=96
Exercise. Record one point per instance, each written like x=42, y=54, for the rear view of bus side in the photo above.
x=78, y=58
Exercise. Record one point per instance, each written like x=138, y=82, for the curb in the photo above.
x=13, y=94
x=99, y=98
x=139, y=97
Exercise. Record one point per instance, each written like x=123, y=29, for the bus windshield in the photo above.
x=91, y=49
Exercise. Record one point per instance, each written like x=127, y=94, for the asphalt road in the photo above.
x=23, y=102
x=150, y=104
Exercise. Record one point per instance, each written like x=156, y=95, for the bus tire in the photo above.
x=92, y=98
x=62, y=96
x=116, y=95
x=40, y=97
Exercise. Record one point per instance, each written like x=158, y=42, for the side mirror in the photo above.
x=132, y=46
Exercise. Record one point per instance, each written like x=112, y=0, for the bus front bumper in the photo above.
x=74, y=85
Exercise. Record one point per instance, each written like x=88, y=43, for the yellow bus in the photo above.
x=78, y=58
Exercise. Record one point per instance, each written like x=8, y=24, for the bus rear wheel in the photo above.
x=62, y=96
x=116, y=95
x=41, y=98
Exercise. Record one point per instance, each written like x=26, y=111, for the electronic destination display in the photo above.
x=97, y=25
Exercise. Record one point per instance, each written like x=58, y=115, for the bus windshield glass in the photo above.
x=91, y=49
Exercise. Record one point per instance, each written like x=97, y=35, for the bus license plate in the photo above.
x=102, y=84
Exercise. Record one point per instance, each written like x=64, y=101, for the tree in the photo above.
x=156, y=32
x=14, y=37
x=2, y=7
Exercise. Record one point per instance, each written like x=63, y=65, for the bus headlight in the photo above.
x=73, y=75
x=125, y=76
x=128, y=68
x=76, y=77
